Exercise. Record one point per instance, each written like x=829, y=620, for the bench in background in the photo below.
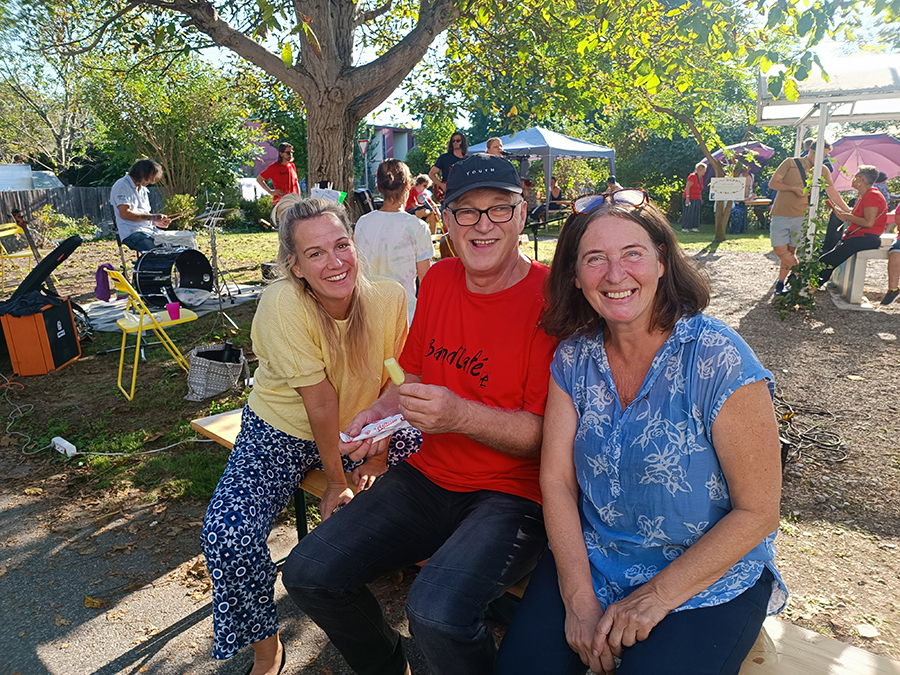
x=850, y=277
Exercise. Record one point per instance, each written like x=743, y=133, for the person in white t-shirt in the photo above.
x=139, y=228
x=391, y=242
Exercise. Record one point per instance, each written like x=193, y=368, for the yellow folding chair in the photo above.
x=11, y=230
x=137, y=319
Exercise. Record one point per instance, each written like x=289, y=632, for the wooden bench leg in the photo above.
x=300, y=512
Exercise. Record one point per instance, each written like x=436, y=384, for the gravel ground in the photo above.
x=94, y=583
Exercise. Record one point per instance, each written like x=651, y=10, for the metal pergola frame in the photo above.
x=859, y=89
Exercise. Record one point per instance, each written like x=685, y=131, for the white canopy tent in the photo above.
x=537, y=143
x=861, y=89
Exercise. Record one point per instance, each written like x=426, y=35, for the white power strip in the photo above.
x=63, y=446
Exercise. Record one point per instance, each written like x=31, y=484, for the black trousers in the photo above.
x=843, y=250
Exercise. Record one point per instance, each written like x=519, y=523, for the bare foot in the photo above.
x=267, y=656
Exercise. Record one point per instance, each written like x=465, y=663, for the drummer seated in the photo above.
x=142, y=240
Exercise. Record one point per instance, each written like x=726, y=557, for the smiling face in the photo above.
x=326, y=259
x=487, y=248
x=618, y=270
x=860, y=184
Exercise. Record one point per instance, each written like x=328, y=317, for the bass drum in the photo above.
x=184, y=272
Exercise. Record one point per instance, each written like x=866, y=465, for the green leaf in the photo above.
x=287, y=55
x=776, y=16
x=774, y=85
x=805, y=24
x=790, y=89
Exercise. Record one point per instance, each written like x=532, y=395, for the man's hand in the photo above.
x=277, y=193
x=163, y=221
x=800, y=192
x=365, y=475
x=431, y=408
x=335, y=495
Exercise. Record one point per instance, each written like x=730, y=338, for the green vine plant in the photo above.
x=803, y=281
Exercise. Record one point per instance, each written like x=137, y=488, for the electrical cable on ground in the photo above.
x=805, y=438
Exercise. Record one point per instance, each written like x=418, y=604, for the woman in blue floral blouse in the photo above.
x=660, y=471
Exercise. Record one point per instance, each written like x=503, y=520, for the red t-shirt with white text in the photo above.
x=485, y=348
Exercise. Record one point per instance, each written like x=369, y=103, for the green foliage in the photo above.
x=417, y=161
x=57, y=226
x=180, y=208
x=437, y=122
x=189, y=117
x=260, y=209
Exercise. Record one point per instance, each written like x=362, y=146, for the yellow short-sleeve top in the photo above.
x=293, y=352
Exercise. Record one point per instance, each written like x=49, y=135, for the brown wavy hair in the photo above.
x=683, y=289
x=292, y=212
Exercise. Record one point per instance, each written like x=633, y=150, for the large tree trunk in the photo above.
x=723, y=212
x=331, y=131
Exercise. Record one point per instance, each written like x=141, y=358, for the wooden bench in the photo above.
x=780, y=649
x=223, y=429
x=850, y=277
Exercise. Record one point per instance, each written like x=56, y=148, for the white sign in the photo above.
x=727, y=189
x=363, y=146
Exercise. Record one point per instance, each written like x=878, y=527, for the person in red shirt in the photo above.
x=865, y=224
x=693, y=199
x=477, y=373
x=282, y=173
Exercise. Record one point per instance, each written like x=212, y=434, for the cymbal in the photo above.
x=207, y=215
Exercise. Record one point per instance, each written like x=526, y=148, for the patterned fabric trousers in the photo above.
x=264, y=469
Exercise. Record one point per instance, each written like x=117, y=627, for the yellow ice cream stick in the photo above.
x=395, y=371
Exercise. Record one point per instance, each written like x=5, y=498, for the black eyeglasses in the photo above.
x=467, y=216
x=625, y=196
x=457, y=140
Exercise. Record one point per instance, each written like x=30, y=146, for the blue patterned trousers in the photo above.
x=264, y=469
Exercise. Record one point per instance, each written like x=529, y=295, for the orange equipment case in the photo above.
x=42, y=342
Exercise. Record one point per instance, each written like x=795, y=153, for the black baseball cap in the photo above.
x=480, y=170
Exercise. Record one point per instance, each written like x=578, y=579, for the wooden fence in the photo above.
x=75, y=202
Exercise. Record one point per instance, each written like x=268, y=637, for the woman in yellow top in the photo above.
x=322, y=333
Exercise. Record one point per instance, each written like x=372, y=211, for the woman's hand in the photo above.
x=335, y=495
x=582, y=616
x=358, y=450
x=366, y=474
x=629, y=621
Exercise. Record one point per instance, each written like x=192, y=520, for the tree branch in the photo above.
x=371, y=84
x=365, y=17
x=99, y=33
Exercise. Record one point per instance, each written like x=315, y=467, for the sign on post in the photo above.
x=727, y=189
x=363, y=144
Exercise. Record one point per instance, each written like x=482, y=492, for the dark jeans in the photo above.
x=844, y=249
x=706, y=641
x=834, y=230
x=478, y=543
x=139, y=241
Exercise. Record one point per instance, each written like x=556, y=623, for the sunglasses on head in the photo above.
x=625, y=196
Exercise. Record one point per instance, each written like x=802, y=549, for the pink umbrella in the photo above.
x=879, y=150
x=753, y=152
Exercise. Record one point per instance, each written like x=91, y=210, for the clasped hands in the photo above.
x=598, y=636
x=430, y=408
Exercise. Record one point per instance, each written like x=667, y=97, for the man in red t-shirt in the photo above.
x=282, y=173
x=865, y=224
x=476, y=383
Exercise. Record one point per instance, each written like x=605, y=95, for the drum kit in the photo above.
x=180, y=274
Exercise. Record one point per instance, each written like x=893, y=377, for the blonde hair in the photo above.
x=292, y=212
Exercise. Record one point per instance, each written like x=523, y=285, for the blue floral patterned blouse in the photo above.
x=651, y=483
